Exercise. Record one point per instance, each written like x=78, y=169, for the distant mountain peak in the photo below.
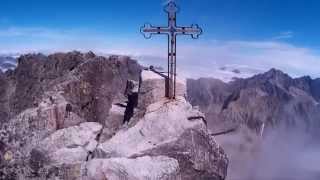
x=273, y=76
x=275, y=73
x=305, y=78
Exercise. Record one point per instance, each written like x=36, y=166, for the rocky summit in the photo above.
x=62, y=117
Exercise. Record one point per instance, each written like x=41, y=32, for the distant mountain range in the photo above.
x=268, y=124
x=263, y=101
x=7, y=62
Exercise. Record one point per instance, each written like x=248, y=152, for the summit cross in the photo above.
x=172, y=30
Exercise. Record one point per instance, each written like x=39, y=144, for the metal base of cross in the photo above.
x=167, y=82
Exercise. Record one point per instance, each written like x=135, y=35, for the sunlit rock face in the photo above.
x=62, y=118
x=62, y=143
x=163, y=121
x=4, y=111
x=156, y=167
x=88, y=82
x=152, y=89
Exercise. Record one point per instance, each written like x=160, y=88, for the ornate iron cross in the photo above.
x=172, y=30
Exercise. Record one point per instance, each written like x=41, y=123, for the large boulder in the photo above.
x=24, y=132
x=153, y=88
x=163, y=121
x=198, y=155
x=84, y=136
x=143, y=168
x=69, y=147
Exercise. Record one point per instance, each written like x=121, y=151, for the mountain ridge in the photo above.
x=270, y=121
x=272, y=87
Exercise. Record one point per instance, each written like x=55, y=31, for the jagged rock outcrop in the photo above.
x=48, y=93
x=90, y=83
x=62, y=118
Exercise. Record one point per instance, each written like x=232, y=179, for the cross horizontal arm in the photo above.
x=195, y=31
x=147, y=30
x=156, y=30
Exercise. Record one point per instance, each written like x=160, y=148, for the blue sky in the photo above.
x=256, y=33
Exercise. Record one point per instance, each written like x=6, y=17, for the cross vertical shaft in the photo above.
x=172, y=54
x=172, y=30
x=172, y=58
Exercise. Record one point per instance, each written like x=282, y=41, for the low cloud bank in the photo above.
x=281, y=155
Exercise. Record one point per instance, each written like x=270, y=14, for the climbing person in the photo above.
x=132, y=92
x=68, y=110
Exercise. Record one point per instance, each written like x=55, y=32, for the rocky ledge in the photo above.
x=62, y=118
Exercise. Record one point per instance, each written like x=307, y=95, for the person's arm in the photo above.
x=126, y=90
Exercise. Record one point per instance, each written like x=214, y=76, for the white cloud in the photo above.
x=28, y=32
x=284, y=35
x=206, y=59
x=195, y=58
x=31, y=39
